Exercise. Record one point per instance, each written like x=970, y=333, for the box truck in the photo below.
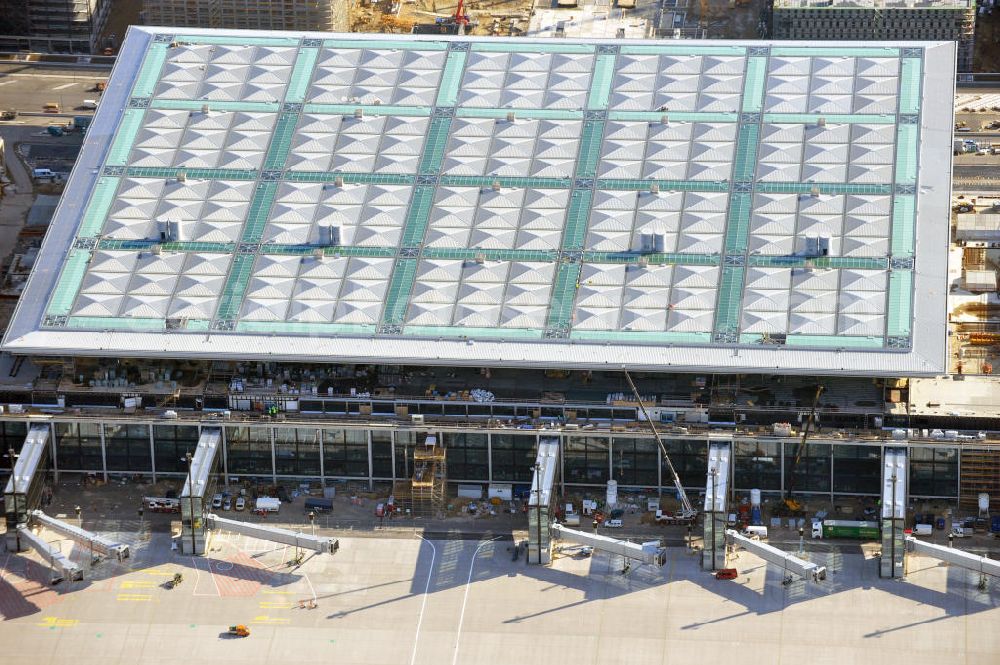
x=268, y=504
x=846, y=529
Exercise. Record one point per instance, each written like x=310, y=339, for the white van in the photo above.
x=614, y=524
x=89, y=104
x=758, y=532
x=42, y=173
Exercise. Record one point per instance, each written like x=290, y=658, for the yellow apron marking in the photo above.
x=136, y=597
x=138, y=585
x=56, y=622
x=264, y=619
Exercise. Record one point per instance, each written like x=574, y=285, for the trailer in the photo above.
x=855, y=529
x=267, y=504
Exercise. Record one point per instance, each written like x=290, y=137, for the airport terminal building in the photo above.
x=334, y=246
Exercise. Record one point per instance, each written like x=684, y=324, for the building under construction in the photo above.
x=884, y=20
x=324, y=15
x=430, y=478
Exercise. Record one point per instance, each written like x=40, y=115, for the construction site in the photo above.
x=609, y=19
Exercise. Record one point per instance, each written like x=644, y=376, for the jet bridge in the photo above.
x=196, y=488
x=540, y=501
x=62, y=567
x=98, y=545
x=24, y=488
x=967, y=560
x=320, y=544
x=788, y=562
x=650, y=552
x=894, y=490
x=713, y=555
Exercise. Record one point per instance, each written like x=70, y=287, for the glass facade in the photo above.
x=757, y=465
x=586, y=459
x=504, y=456
x=467, y=456
x=249, y=451
x=127, y=448
x=857, y=469
x=78, y=446
x=812, y=473
x=172, y=444
x=296, y=451
x=633, y=461
x=381, y=453
x=513, y=457
x=933, y=471
x=345, y=452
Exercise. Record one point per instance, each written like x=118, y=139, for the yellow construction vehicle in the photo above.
x=239, y=630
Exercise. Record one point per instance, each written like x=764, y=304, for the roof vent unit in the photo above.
x=620, y=33
x=664, y=119
x=652, y=243
x=359, y=114
x=206, y=109
x=318, y=255
x=329, y=235
x=814, y=191
x=654, y=188
x=821, y=122
x=817, y=246
x=480, y=258
x=339, y=181
x=496, y=185
x=156, y=250
x=171, y=230
x=182, y=175
x=511, y=116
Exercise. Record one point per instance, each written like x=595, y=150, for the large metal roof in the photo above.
x=747, y=206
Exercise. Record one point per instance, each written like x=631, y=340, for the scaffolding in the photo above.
x=980, y=474
x=429, y=480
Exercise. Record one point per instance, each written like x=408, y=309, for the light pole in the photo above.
x=713, y=472
x=312, y=522
x=537, y=492
x=188, y=459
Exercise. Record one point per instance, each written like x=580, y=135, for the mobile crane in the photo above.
x=790, y=503
x=687, y=510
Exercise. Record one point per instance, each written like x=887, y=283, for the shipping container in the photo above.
x=319, y=505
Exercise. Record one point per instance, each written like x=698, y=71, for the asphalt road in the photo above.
x=29, y=88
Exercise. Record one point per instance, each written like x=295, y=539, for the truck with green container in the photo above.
x=855, y=529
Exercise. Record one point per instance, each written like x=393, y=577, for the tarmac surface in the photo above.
x=414, y=600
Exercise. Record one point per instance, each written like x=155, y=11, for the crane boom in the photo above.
x=687, y=510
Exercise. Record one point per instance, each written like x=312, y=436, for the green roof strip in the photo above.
x=835, y=341
x=669, y=49
x=829, y=118
x=298, y=83
x=146, y=79
x=641, y=336
x=391, y=44
x=754, y=84
x=197, y=105
x=115, y=323
x=236, y=285
x=904, y=223
x=909, y=85
x=451, y=78
x=375, y=110
x=128, y=128
x=397, y=295
x=729, y=298
x=836, y=51
x=600, y=83
x=96, y=213
x=557, y=46
x=221, y=40
x=305, y=328
x=70, y=280
x=900, y=306
x=462, y=332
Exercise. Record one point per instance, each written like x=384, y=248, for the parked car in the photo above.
x=217, y=501
x=241, y=503
x=227, y=504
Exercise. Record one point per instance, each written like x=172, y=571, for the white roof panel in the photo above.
x=564, y=202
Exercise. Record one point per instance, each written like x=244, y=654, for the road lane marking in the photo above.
x=64, y=86
x=423, y=603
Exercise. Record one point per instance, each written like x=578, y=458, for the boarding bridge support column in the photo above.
x=893, y=517
x=24, y=488
x=540, y=501
x=713, y=554
x=200, y=468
